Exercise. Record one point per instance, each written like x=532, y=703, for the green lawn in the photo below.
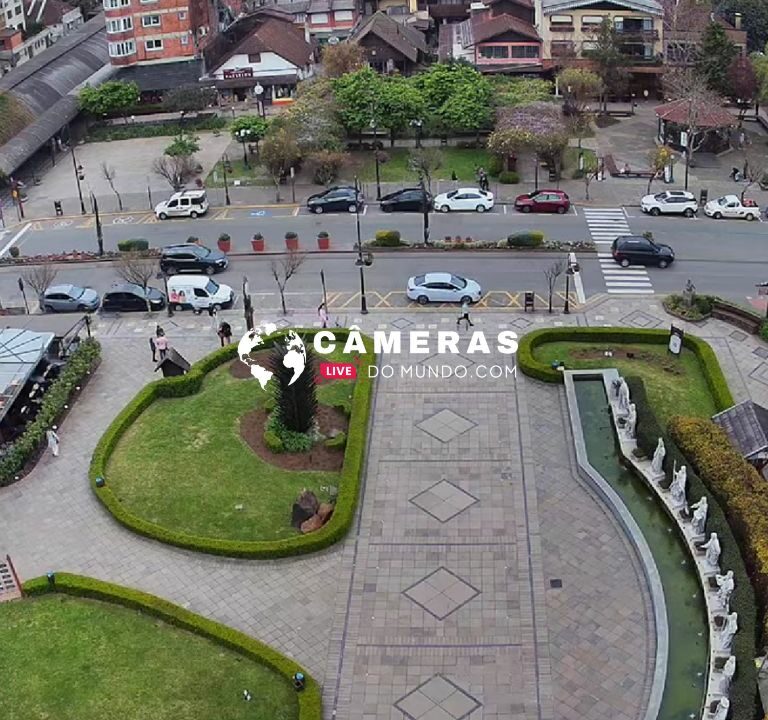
x=463, y=162
x=184, y=466
x=254, y=174
x=676, y=386
x=571, y=158
x=67, y=658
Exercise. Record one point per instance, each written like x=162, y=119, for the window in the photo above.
x=184, y=39
x=182, y=15
x=494, y=52
x=319, y=18
x=524, y=51
x=254, y=58
x=300, y=18
x=18, y=10
x=343, y=16
x=119, y=24
x=112, y=4
x=121, y=49
x=150, y=21
x=591, y=19
x=154, y=44
x=561, y=20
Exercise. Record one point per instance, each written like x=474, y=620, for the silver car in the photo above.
x=442, y=287
x=69, y=298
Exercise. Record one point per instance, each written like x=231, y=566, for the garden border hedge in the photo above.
x=189, y=384
x=710, y=367
x=309, y=699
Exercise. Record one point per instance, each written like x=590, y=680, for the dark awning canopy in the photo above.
x=746, y=425
x=163, y=76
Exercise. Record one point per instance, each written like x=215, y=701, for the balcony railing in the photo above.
x=637, y=33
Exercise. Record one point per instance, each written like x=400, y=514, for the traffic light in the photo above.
x=80, y=173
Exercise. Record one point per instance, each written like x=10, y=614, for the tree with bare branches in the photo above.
x=109, y=173
x=552, y=273
x=589, y=172
x=755, y=169
x=40, y=277
x=178, y=170
x=425, y=162
x=138, y=269
x=284, y=269
x=684, y=24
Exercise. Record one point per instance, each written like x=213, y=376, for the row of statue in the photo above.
x=698, y=517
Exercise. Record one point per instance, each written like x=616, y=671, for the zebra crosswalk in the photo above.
x=605, y=225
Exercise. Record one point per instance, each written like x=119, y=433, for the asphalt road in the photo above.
x=726, y=257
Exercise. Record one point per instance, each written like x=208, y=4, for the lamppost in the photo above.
x=168, y=303
x=425, y=210
x=633, y=103
x=226, y=167
x=571, y=269
x=99, y=231
x=360, y=262
x=79, y=175
x=418, y=123
x=259, y=92
x=244, y=135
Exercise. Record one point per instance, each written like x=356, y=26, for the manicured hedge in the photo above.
x=738, y=487
x=743, y=600
x=80, y=364
x=189, y=384
x=530, y=365
x=532, y=238
x=309, y=699
x=133, y=245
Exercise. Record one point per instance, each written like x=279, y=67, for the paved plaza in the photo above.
x=483, y=577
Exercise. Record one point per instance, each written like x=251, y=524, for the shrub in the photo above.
x=309, y=700
x=144, y=130
x=273, y=442
x=14, y=252
x=349, y=482
x=133, y=245
x=337, y=442
x=495, y=166
x=533, y=238
x=80, y=364
x=742, y=692
x=388, y=238
x=509, y=177
x=325, y=166
x=526, y=354
x=287, y=440
x=700, y=309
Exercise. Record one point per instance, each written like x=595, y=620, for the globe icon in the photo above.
x=295, y=357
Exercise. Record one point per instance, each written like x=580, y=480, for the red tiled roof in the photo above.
x=484, y=29
x=710, y=116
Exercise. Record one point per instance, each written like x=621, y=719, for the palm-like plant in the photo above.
x=296, y=404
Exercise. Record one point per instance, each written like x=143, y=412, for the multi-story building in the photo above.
x=61, y=17
x=143, y=32
x=12, y=15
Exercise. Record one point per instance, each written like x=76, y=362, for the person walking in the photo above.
x=53, y=440
x=161, y=343
x=214, y=313
x=322, y=313
x=464, y=316
x=225, y=333
x=153, y=348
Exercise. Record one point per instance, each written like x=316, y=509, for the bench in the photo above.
x=740, y=317
x=614, y=171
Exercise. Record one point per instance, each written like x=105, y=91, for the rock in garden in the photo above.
x=304, y=508
x=324, y=512
x=314, y=523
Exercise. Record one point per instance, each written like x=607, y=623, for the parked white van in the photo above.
x=187, y=203
x=198, y=293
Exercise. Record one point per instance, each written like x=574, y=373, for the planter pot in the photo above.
x=257, y=244
x=292, y=243
x=323, y=242
x=224, y=245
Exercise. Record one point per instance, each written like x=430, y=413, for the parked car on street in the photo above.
x=199, y=293
x=406, y=200
x=638, y=250
x=336, y=199
x=190, y=257
x=187, y=203
x=464, y=199
x=555, y=201
x=670, y=202
x=129, y=297
x=442, y=287
x=731, y=206
x=69, y=298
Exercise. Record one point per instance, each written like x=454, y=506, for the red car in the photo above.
x=555, y=201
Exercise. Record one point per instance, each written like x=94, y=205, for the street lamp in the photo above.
x=79, y=175
x=418, y=125
x=259, y=92
x=244, y=134
x=360, y=262
x=226, y=167
x=425, y=210
x=571, y=269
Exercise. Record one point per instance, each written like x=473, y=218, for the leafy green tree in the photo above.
x=760, y=66
x=357, y=95
x=190, y=98
x=715, y=57
x=252, y=128
x=754, y=19
x=658, y=159
x=399, y=102
x=468, y=109
x=440, y=81
x=610, y=62
x=183, y=146
x=511, y=91
x=313, y=119
x=580, y=87
x=279, y=153
x=114, y=96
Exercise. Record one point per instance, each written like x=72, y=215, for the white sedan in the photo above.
x=464, y=199
x=730, y=206
x=442, y=287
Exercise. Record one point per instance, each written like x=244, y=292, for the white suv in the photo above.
x=670, y=202
x=187, y=203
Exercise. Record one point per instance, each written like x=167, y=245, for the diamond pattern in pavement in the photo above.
x=441, y=593
x=401, y=323
x=445, y=425
x=443, y=501
x=437, y=699
x=640, y=319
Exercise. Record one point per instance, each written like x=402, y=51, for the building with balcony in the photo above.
x=682, y=39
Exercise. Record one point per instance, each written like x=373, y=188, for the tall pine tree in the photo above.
x=715, y=57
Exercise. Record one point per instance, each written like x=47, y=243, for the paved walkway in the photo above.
x=483, y=575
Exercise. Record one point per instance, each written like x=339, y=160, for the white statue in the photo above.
x=729, y=670
x=657, y=464
x=623, y=397
x=725, y=584
x=677, y=488
x=723, y=705
x=727, y=633
x=712, y=547
x=631, y=421
x=700, y=510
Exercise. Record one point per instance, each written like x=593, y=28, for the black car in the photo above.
x=406, y=200
x=638, y=250
x=336, y=199
x=190, y=257
x=128, y=297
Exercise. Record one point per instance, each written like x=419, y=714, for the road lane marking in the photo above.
x=15, y=239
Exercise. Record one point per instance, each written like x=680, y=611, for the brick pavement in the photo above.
x=441, y=601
